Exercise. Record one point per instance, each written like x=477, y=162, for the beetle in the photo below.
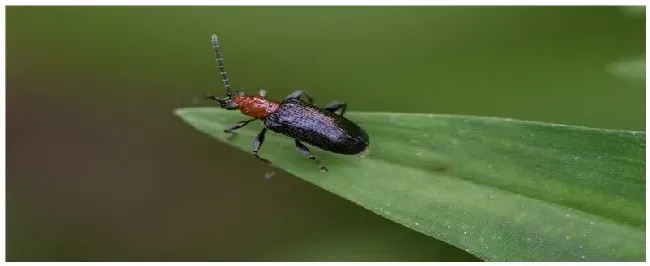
x=299, y=119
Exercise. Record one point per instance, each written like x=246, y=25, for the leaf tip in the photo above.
x=179, y=111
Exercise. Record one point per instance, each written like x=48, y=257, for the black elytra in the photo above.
x=293, y=117
x=320, y=127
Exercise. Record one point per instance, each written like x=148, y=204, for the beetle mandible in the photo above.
x=293, y=117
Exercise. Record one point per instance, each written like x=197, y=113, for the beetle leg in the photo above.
x=238, y=125
x=335, y=105
x=240, y=92
x=257, y=143
x=305, y=152
x=296, y=95
x=209, y=97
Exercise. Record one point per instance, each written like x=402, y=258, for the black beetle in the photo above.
x=301, y=120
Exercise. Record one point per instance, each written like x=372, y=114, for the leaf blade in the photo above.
x=501, y=189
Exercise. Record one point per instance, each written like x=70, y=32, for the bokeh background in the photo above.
x=99, y=169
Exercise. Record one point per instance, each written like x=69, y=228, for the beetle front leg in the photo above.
x=257, y=143
x=296, y=95
x=335, y=105
x=238, y=125
x=307, y=154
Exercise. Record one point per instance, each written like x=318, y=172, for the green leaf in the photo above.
x=501, y=189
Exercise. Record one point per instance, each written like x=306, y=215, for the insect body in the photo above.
x=295, y=118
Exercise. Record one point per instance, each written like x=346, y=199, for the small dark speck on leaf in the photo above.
x=441, y=167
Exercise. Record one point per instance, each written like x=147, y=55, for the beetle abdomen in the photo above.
x=318, y=127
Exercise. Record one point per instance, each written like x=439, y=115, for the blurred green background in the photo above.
x=99, y=169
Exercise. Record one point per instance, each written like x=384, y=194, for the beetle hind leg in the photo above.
x=307, y=154
x=336, y=105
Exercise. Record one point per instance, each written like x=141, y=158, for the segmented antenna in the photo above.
x=224, y=75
